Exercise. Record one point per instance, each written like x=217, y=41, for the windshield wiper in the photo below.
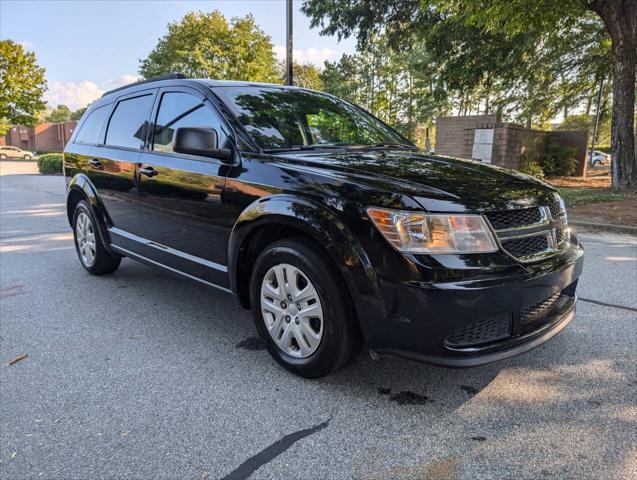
x=293, y=148
x=385, y=144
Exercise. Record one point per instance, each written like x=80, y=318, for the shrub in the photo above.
x=531, y=167
x=557, y=159
x=50, y=163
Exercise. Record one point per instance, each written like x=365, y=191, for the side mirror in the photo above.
x=200, y=141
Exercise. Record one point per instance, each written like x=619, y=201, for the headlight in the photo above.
x=413, y=232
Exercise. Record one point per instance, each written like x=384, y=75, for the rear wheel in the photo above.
x=91, y=251
x=3, y=155
x=596, y=163
x=301, y=310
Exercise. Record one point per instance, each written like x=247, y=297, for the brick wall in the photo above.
x=44, y=137
x=511, y=142
x=454, y=135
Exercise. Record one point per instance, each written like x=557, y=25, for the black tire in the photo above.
x=596, y=163
x=341, y=339
x=103, y=262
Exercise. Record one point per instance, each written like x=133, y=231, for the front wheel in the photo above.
x=91, y=251
x=27, y=157
x=301, y=309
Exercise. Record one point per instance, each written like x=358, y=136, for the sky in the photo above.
x=88, y=47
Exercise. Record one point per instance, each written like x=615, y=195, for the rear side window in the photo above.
x=127, y=126
x=177, y=110
x=91, y=128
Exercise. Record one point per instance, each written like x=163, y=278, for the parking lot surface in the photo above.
x=143, y=375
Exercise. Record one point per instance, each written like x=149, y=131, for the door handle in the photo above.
x=95, y=163
x=148, y=171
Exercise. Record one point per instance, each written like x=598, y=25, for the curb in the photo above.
x=606, y=227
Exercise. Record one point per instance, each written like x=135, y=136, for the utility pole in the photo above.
x=288, y=42
x=596, y=126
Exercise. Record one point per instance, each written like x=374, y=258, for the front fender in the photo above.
x=81, y=184
x=322, y=225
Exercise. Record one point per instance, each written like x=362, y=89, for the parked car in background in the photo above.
x=598, y=158
x=332, y=227
x=15, y=152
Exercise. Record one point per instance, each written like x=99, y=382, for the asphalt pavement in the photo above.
x=142, y=375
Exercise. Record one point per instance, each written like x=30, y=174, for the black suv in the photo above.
x=332, y=227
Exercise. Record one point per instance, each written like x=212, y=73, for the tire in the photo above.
x=3, y=156
x=340, y=337
x=85, y=234
x=596, y=163
x=27, y=157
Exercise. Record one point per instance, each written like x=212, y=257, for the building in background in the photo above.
x=488, y=139
x=44, y=137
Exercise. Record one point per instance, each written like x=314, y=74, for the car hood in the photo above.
x=437, y=183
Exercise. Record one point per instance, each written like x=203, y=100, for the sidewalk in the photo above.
x=22, y=167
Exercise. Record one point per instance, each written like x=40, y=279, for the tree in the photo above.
x=59, y=114
x=545, y=24
x=205, y=45
x=22, y=85
x=305, y=75
x=77, y=114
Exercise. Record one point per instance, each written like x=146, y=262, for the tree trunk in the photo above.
x=620, y=18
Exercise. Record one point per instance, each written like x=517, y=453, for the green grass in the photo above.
x=583, y=196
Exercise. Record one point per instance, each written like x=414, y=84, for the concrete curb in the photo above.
x=606, y=227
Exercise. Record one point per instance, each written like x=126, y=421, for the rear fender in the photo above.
x=80, y=184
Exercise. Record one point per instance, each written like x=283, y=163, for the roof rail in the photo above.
x=168, y=76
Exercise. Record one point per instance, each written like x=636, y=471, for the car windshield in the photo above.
x=280, y=119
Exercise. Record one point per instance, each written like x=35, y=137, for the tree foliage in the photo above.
x=59, y=114
x=22, y=85
x=527, y=60
x=206, y=45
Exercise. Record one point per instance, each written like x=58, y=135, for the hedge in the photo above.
x=50, y=163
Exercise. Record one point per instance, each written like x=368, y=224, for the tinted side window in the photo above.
x=92, y=127
x=127, y=126
x=177, y=110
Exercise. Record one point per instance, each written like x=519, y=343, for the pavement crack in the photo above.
x=253, y=463
x=604, y=304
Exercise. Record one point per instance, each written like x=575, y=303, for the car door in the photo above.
x=113, y=163
x=180, y=201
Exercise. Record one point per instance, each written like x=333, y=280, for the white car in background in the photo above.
x=15, y=152
x=598, y=158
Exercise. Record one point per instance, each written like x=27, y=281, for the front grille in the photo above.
x=479, y=333
x=556, y=209
x=511, y=325
x=536, y=316
x=526, y=246
x=529, y=234
x=514, y=218
x=538, y=310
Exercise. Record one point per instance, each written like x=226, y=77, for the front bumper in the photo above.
x=472, y=323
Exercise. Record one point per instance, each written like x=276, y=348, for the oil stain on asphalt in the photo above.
x=251, y=343
x=405, y=397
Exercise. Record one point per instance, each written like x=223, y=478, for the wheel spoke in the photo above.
x=268, y=291
x=312, y=311
x=312, y=337
x=301, y=342
x=307, y=294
